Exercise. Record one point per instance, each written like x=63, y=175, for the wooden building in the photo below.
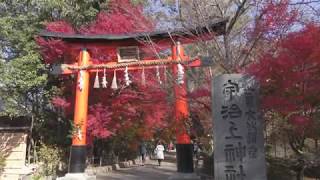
x=13, y=146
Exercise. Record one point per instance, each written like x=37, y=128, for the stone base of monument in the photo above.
x=77, y=176
x=181, y=176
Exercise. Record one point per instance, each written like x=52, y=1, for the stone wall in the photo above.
x=13, y=146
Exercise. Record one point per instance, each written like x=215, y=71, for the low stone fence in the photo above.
x=95, y=170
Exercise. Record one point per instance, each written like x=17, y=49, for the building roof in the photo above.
x=18, y=123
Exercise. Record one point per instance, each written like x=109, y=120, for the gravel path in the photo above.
x=148, y=172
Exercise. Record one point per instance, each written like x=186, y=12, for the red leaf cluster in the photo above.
x=60, y=27
x=144, y=108
x=60, y=102
x=51, y=50
x=100, y=122
x=54, y=49
x=300, y=121
x=290, y=77
x=123, y=18
x=276, y=18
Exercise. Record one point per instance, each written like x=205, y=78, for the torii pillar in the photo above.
x=77, y=163
x=183, y=142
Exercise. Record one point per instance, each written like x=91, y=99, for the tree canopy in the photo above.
x=290, y=77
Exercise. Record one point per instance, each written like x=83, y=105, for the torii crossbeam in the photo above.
x=129, y=51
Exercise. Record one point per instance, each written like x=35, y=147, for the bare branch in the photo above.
x=239, y=12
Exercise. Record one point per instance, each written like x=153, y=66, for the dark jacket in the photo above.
x=142, y=148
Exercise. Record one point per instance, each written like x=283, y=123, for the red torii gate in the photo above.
x=120, y=43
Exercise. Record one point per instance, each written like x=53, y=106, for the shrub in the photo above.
x=2, y=162
x=49, y=157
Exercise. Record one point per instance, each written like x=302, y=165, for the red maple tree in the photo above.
x=290, y=77
x=290, y=82
x=123, y=17
x=141, y=107
x=275, y=19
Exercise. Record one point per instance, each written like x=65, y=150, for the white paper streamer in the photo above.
x=126, y=77
x=104, y=79
x=180, y=74
x=80, y=81
x=158, y=75
x=96, y=81
x=114, y=85
x=143, y=77
x=79, y=134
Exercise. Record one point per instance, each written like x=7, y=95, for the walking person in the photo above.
x=143, y=152
x=196, y=149
x=159, y=152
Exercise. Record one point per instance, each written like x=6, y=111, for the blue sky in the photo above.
x=170, y=11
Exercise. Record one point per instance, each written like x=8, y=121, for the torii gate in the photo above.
x=128, y=56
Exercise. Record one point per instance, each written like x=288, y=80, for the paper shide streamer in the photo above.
x=143, y=77
x=158, y=75
x=126, y=77
x=104, y=79
x=80, y=82
x=114, y=85
x=96, y=81
x=180, y=74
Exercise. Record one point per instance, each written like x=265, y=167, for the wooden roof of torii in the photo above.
x=217, y=27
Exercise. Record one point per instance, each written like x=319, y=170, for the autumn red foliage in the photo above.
x=142, y=108
x=277, y=18
x=53, y=50
x=145, y=109
x=60, y=102
x=122, y=18
x=290, y=77
x=60, y=26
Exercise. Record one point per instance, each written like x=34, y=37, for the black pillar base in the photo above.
x=185, y=158
x=77, y=159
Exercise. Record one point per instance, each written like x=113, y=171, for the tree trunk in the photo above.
x=29, y=152
x=35, y=156
x=30, y=140
x=227, y=60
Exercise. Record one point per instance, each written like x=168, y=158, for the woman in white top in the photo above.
x=159, y=152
